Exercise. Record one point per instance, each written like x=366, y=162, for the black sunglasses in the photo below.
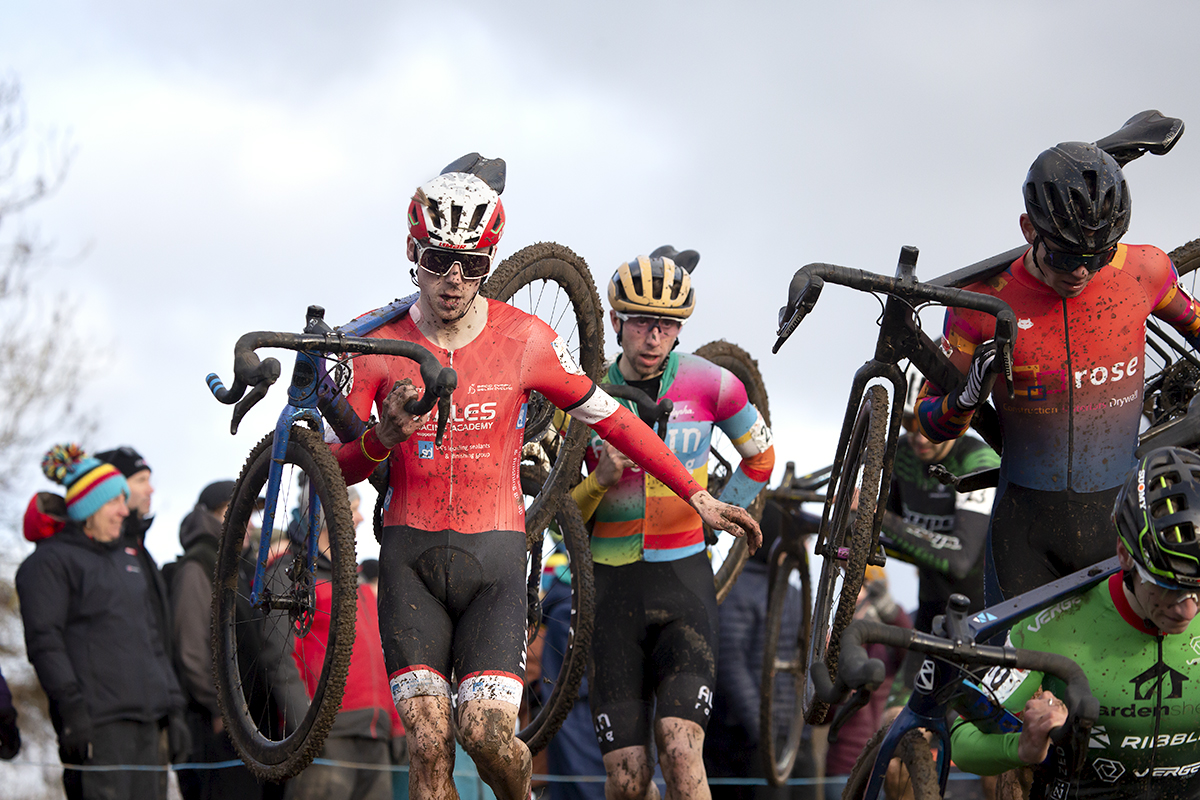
x=1069, y=262
x=474, y=264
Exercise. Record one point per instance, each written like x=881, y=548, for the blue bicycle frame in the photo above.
x=941, y=686
x=313, y=396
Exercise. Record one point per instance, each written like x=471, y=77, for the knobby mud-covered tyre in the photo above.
x=1014, y=784
x=568, y=605
x=738, y=361
x=1170, y=379
x=554, y=284
x=847, y=543
x=1186, y=257
x=789, y=616
x=252, y=648
x=913, y=752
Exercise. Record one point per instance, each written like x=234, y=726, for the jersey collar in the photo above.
x=1116, y=590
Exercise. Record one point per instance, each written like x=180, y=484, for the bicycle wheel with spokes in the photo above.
x=280, y=665
x=789, y=617
x=728, y=552
x=555, y=285
x=845, y=542
x=913, y=752
x=563, y=628
x=1171, y=379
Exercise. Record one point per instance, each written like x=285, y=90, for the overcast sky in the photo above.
x=238, y=161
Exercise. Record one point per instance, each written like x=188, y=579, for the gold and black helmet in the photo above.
x=657, y=285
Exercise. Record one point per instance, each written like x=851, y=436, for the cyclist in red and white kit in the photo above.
x=452, y=598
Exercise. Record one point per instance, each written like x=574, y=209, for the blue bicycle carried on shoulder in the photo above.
x=268, y=594
x=946, y=683
x=285, y=576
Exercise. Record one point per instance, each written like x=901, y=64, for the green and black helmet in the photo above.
x=1157, y=515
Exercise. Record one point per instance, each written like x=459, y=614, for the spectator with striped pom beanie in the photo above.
x=92, y=638
x=90, y=483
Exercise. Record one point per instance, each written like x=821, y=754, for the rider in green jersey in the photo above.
x=1136, y=637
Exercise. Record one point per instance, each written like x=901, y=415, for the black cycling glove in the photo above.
x=75, y=746
x=983, y=364
x=75, y=737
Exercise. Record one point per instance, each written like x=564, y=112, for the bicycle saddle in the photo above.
x=491, y=171
x=1147, y=132
x=688, y=259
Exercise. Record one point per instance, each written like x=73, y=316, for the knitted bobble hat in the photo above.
x=90, y=483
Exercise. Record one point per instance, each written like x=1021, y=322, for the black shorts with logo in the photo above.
x=655, y=639
x=453, y=604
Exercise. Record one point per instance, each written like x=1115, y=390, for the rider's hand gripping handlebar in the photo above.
x=250, y=372
x=857, y=670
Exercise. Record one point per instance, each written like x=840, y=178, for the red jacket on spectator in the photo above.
x=367, y=707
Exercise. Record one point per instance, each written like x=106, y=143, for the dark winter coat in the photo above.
x=191, y=600
x=133, y=534
x=92, y=633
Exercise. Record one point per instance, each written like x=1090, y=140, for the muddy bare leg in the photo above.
x=681, y=754
x=430, y=747
x=503, y=760
x=630, y=775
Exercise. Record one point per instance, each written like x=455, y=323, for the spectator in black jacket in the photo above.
x=191, y=587
x=92, y=636
x=10, y=736
x=133, y=531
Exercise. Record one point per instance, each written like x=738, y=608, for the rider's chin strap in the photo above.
x=412, y=273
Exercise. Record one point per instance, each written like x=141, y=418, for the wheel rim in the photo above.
x=248, y=669
x=550, y=282
x=832, y=605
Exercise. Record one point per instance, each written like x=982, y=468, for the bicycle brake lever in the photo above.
x=443, y=417
x=444, y=386
x=943, y=475
x=257, y=393
x=860, y=698
x=802, y=296
x=1006, y=356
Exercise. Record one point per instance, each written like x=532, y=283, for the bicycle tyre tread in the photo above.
x=278, y=760
x=745, y=368
x=552, y=261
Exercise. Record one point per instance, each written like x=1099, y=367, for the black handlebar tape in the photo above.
x=856, y=668
x=806, y=286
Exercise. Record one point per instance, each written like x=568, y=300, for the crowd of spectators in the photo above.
x=152, y=701
x=122, y=648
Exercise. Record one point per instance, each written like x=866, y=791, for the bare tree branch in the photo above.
x=44, y=362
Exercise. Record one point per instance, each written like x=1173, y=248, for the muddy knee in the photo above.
x=427, y=749
x=486, y=733
x=629, y=773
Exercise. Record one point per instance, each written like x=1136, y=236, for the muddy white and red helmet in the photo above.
x=456, y=211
